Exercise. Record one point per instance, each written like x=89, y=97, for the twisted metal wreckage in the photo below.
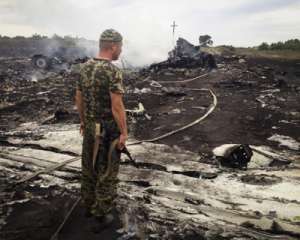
x=186, y=55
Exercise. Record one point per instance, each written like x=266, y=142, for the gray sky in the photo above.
x=145, y=25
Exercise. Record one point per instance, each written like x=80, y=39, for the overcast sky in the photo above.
x=145, y=24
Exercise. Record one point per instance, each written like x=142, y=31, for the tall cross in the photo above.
x=174, y=26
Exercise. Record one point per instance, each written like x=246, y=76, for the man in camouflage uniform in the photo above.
x=103, y=119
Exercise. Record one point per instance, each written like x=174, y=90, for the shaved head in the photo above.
x=106, y=45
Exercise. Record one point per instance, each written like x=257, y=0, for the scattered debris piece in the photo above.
x=261, y=179
x=285, y=141
x=234, y=155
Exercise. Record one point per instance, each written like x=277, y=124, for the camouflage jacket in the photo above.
x=96, y=80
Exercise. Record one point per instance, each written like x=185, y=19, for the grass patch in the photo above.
x=254, y=52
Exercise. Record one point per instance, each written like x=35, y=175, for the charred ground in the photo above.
x=258, y=98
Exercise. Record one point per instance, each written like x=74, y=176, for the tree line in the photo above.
x=65, y=40
x=39, y=37
x=20, y=46
x=292, y=44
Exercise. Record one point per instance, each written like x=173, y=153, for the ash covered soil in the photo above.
x=258, y=104
x=257, y=99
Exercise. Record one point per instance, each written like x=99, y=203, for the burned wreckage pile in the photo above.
x=225, y=169
x=186, y=55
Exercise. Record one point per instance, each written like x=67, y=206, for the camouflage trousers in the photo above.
x=99, y=193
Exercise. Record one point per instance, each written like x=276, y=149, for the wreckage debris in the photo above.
x=177, y=189
x=173, y=91
x=285, y=141
x=261, y=179
x=234, y=155
x=55, y=62
x=186, y=55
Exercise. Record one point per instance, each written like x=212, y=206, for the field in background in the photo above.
x=254, y=52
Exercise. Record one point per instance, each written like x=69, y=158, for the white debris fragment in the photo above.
x=34, y=78
x=289, y=122
x=141, y=91
x=271, y=90
x=148, y=116
x=17, y=201
x=42, y=93
x=27, y=126
x=295, y=114
x=69, y=140
x=266, y=96
x=145, y=90
x=284, y=121
x=262, y=155
x=285, y=141
x=223, y=149
x=155, y=84
x=176, y=111
x=139, y=110
x=263, y=104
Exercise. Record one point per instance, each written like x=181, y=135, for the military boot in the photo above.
x=102, y=222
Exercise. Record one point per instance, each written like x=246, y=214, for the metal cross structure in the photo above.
x=174, y=26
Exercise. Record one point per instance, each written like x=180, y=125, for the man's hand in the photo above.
x=122, y=141
x=81, y=129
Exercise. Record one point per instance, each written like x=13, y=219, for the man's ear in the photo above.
x=114, y=47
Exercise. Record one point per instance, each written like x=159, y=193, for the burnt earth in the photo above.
x=257, y=98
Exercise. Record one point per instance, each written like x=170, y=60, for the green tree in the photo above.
x=263, y=46
x=19, y=38
x=293, y=44
x=57, y=37
x=69, y=41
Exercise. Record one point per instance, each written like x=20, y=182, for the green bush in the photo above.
x=292, y=44
x=263, y=46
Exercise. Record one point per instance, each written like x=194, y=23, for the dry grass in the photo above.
x=279, y=54
x=252, y=52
